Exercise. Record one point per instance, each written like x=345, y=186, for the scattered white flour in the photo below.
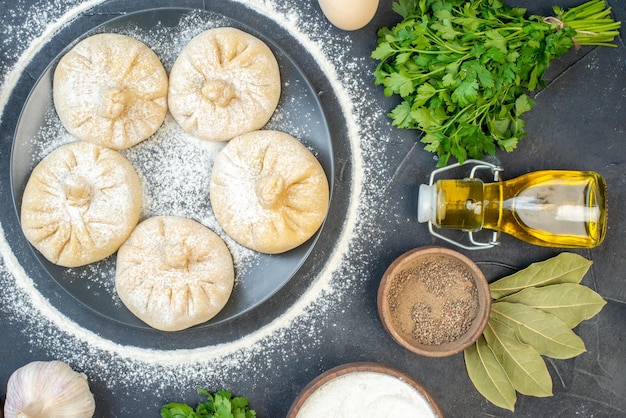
x=364, y=394
x=134, y=368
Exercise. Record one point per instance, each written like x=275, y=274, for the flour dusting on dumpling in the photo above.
x=111, y=90
x=225, y=82
x=268, y=191
x=80, y=203
x=174, y=273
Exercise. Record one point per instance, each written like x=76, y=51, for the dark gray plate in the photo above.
x=268, y=273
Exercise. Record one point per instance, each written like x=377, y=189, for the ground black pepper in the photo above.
x=434, y=300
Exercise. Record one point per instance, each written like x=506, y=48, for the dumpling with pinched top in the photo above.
x=225, y=82
x=80, y=204
x=111, y=90
x=268, y=191
x=174, y=273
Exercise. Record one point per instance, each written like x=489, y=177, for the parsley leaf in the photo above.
x=176, y=410
x=218, y=405
x=466, y=93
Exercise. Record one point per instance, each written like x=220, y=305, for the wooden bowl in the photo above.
x=327, y=390
x=434, y=301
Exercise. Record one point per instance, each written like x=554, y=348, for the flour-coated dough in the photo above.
x=110, y=89
x=174, y=273
x=80, y=203
x=268, y=191
x=224, y=83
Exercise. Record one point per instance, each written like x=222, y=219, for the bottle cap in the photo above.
x=426, y=203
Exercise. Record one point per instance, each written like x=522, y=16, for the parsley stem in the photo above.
x=442, y=43
x=586, y=9
x=425, y=51
x=429, y=74
x=515, y=29
x=451, y=121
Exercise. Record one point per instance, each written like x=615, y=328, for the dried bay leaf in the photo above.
x=488, y=376
x=523, y=365
x=563, y=268
x=533, y=314
x=545, y=332
x=571, y=302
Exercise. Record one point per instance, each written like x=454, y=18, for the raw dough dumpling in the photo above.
x=80, y=204
x=224, y=83
x=111, y=90
x=174, y=272
x=268, y=191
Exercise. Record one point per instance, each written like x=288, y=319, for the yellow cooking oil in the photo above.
x=555, y=208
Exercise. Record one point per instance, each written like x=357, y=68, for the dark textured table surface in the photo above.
x=326, y=315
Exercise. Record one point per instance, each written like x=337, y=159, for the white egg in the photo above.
x=349, y=14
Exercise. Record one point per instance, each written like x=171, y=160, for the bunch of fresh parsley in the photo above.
x=219, y=405
x=463, y=68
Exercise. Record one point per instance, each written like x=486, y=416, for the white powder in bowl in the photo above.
x=365, y=394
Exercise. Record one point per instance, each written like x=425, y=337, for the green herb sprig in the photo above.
x=532, y=315
x=463, y=68
x=219, y=405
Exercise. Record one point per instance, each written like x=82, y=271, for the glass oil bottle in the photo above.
x=554, y=208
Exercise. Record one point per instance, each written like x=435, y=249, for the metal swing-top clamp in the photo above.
x=427, y=202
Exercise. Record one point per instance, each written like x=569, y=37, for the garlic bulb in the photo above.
x=48, y=390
